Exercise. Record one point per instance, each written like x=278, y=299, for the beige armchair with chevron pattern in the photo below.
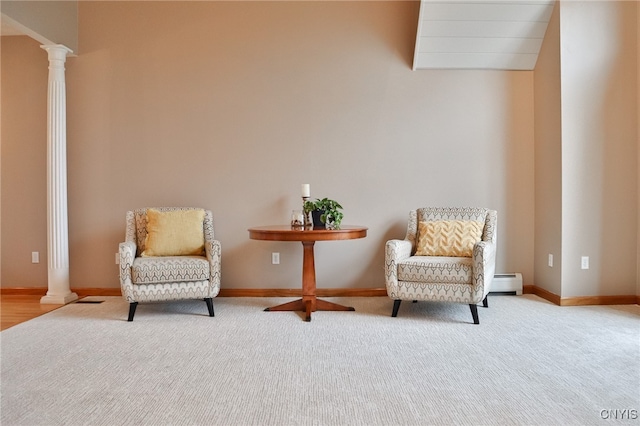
x=169, y=253
x=447, y=255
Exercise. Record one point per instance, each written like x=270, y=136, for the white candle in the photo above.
x=306, y=190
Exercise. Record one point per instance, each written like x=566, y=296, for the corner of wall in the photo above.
x=638, y=143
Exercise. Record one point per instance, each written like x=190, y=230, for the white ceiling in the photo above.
x=8, y=28
x=477, y=34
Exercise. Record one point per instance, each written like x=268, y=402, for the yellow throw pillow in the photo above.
x=454, y=238
x=174, y=233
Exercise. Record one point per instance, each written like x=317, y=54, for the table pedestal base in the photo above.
x=308, y=237
x=309, y=305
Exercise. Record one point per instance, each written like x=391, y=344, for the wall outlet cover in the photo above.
x=584, y=262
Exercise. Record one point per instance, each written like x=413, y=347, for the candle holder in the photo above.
x=308, y=220
x=297, y=219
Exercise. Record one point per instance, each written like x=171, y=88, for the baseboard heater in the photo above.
x=507, y=284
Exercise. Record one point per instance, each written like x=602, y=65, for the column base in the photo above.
x=58, y=300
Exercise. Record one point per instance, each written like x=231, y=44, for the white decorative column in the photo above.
x=59, y=291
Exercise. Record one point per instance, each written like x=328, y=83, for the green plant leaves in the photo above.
x=331, y=209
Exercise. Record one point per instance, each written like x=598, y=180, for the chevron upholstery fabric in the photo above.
x=448, y=237
x=164, y=278
x=164, y=292
x=451, y=270
x=460, y=279
x=152, y=270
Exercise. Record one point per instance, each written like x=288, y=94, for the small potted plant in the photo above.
x=326, y=213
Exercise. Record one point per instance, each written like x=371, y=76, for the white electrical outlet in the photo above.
x=275, y=258
x=584, y=262
x=550, y=260
x=117, y=258
x=35, y=257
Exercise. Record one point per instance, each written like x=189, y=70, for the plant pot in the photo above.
x=317, y=223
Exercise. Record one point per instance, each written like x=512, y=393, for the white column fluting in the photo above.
x=59, y=290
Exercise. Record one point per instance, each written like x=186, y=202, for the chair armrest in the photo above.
x=394, y=252
x=484, y=267
x=397, y=250
x=127, y=252
x=213, y=251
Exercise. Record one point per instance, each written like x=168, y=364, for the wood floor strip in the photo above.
x=242, y=292
x=22, y=304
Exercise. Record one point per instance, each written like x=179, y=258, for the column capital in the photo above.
x=57, y=51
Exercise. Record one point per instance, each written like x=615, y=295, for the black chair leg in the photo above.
x=396, y=306
x=132, y=310
x=474, y=313
x=209, y=301
x=485, y=302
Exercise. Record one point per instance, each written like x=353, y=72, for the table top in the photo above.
x=287, y=233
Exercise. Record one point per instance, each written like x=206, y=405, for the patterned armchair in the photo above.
x=457, y=278
x=160, y=278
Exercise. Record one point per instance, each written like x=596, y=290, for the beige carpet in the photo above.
x=528, y=362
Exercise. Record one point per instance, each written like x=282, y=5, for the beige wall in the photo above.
x=24, y=162
x=232, y=105
x=548, y=160
x=586, y=150
x=599, y=147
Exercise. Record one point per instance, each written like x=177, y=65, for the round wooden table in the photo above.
x=309, y=302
